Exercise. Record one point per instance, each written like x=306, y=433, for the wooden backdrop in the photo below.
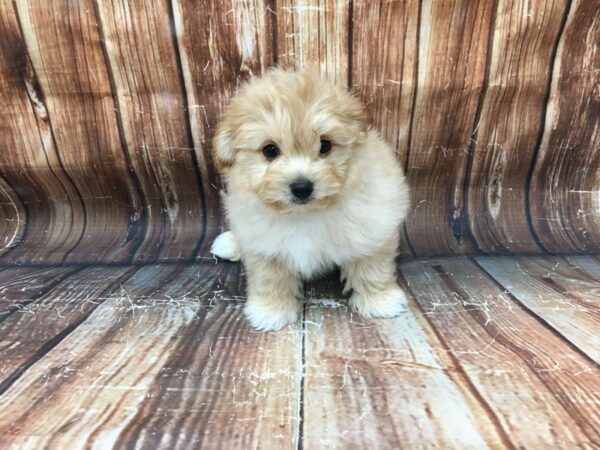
x=107, y=107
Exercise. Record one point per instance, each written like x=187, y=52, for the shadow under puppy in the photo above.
x=309, y=186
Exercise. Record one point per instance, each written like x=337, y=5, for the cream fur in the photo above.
x=353, y=221
x=226, y=247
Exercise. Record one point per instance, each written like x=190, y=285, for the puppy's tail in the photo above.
x=226, y=246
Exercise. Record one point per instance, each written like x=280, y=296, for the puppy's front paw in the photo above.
x=387, y=303
x=271, y=315
x=226, y=247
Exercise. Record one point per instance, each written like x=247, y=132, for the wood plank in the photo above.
x=64, y=45
x=29, y=161
x=543, y=392
x=224, y=282
x=564, y=186
x=524, y=40
x=384, y=58
x=384, y=62
x=452, y=64
x=588, y=263
x=36, y=327
x=220, y=43
x=152, y=115
x=12, y=216
x=315, y=33
x=161, y=370
x=384, y=384
x=557, y=291
x=22, y=285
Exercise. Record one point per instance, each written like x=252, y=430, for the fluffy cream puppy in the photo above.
x=309, y=186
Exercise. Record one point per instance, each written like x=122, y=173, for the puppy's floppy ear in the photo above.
x=222, y=149
x=353, y=115
x=357, y=113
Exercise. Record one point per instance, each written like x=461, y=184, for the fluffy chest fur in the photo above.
x=364, y=220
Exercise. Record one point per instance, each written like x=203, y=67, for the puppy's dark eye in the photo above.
x=325, y=147
x=270, y=151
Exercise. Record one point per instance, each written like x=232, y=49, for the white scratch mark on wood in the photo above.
x=13, y=238
x=245, y=36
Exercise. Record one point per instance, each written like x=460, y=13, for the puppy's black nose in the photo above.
x=302, y=189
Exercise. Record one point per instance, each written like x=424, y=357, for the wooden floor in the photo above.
x=495, y=352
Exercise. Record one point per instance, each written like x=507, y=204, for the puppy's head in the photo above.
x=290, y=138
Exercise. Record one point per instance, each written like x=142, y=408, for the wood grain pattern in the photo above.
x=48, y=200
x=63, y=43
x=384, y=75
x=20, y=286
x=315, y=34
x=511, y=359
x=506, y=133
x=107, y=112
x=12, y=218
x=383, y=384
x=384, y=62
x=180, y=282
x=144, y=72
x=158, y=366
x=589, y=264
x=452, y=66
x=109, y=107
x=557, y=291
x=56, y=313
x=219, y=44
x=160, y=356
x=564, y=196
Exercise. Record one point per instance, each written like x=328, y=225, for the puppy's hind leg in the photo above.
x=226, y=247
x=273, y=293
x=373, y=282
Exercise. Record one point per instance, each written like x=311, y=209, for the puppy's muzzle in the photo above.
x=302, y=190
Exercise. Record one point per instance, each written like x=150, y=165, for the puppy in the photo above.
x=309, y=187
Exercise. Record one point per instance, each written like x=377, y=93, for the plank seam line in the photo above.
x=475, y=128
x=188, y=128
x=412, y=115
x=143, y=221
x=416, y=83
x=533, y=314
x=57, y=339
x=272, y=8
x=462, y=380
x=301, y=376
x=89, y=135
x=540, y=135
